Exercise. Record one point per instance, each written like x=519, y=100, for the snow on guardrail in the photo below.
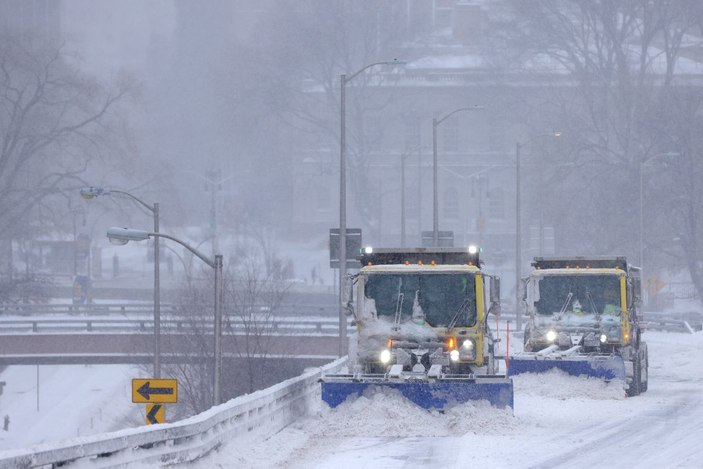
x=241, y=420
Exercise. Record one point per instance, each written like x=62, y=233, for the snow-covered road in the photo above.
x=559, y=421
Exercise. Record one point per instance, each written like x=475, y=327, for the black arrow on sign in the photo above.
x=151, y=416
x=146, y=391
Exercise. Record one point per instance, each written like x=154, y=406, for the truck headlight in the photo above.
x=468, y=345
x=385, y=356
x=603, y=338
x=551, y=335
x=454, y=355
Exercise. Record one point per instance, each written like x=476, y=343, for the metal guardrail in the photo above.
x=289, y=319
x=145, y=324
x=97, y=309
x=687, y=322
x=239, y=421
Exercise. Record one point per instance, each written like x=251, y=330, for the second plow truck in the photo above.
x=583, y=319
x=422, y=330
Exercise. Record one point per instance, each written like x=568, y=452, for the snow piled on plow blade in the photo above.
x=429, y=395
x=609, y=368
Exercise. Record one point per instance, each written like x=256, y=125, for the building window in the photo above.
x=496, y=204
x=496, y=134
x=412, y=134
x=374, y=130
x=449, y=134
x=451, y=203
x=323, y=202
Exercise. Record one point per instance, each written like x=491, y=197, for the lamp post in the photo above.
x=93, y=192
x=122, y=236
x=641, y=177
x=435, y=201
x=518, y=240
x=343, y=80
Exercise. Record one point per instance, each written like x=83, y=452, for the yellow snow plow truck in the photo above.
x=583, y=319
x=422, y=330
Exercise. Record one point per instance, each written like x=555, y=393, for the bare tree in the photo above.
x=54, y=124
x=612, y=80
x=252, y=299
x=319, y=41
x=256, y=292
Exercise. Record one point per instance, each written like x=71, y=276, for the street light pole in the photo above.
x=641, y=219
x=92, y=192
x=518, y=241
x=217, y=340
x=518, y=226
x=435, y=198
x=125, y=235
x=157, y=294
x=343, y=80
x=402, y=200
x=642, y=163
x=342, y=213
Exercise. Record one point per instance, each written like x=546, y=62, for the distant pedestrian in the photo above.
x=6, y=423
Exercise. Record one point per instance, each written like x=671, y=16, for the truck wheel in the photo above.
x=644, y=360
x=634, y=388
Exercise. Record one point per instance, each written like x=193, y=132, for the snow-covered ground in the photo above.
x=558, y=421
x=70, y=401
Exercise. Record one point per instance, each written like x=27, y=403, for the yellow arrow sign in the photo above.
x=155, y=413
x=145, y=391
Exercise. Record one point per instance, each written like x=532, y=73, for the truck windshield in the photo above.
x=439, y=297
x=578, y=294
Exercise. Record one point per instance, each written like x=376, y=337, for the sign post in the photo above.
x=353, y=244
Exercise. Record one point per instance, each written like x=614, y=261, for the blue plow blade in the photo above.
x=603, y=367
x=428, y=395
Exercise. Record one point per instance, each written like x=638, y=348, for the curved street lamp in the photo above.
x=518, y=240
x=343, y=80
x=121, y=236
x=93, y=192
x=642, y=164
x=435, y=198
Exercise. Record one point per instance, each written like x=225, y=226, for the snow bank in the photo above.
x=386, y=413
x=558, y=384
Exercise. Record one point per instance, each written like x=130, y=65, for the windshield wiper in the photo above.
x=464, y=307
x=398, y=311
x=593, y=304
x=566, y=303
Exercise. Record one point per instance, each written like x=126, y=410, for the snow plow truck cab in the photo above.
x=583, y=319
x=422, y=330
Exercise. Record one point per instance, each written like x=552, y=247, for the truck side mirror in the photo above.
x=523, y=288
x=636, y=292
x=494, y=283
x=495, y=289
x=348, y=300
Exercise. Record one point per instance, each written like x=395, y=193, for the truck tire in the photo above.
x=644, y=374
x=634, y=387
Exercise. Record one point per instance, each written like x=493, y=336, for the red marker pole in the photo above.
x=498, y=326
x=507, y=348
